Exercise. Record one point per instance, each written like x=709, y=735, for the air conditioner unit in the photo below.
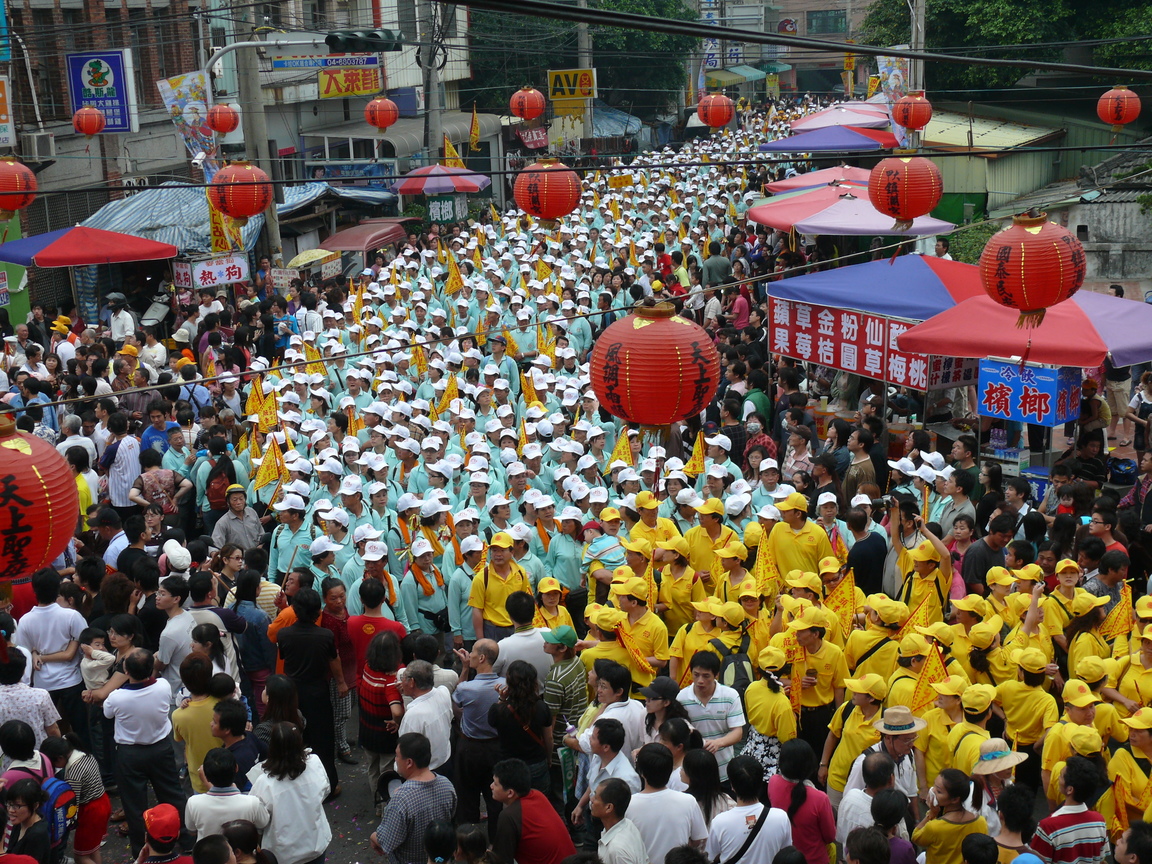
x=38, y=146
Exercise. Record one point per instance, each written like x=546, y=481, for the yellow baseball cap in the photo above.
x=609, y=514
x=914, y=645
x=810, y=581
x=977, y=697
x=973, y=603
x=999, y=576
x=1143, y=607
x=646, y=501
x=1146, y=633
x=549, y=584
x=607, y=618
x=1066, y=564
x=1079, y=694
x=889, y=611
x=953, y=685
x=1030, y=659
x=872, y=684
x=829, y=564
x=982, y=634
x=677, y=544
x=704, y=605
x=939, y=631
x=502, y=539
x=794, y=501
x=713, y=505
x=806, y=620
x=733, y=613
x=748, y=589
x=925, y=551
x=794, y=605
x=130, y=350
x=622, y=574
x=772, y=658
x=640, y=546
x=1091, y=668
x=1083, y=603
x=735, y=549
x=1018, y=602
x=1141, y=719
x=1085, y=740
x=1030, y=573
x=635, y=587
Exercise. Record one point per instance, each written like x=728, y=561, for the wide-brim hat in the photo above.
x=996, y=756
x=898, y=720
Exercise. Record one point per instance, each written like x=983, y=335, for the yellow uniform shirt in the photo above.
x=702, y=548
x=1000, y=669
x=932, y=741
x=1108, y=723
x=1056, y=746
x=856, y=734
x=727, y=587
x=1133, y=682
x=1001, y=608
x=663, y=530
x=964, y=744
x=1028, y=711
x=901, y=685
x=678, y=594
x=961, y=645
x=864, y=652
x=1041, y=640
x=798, y=550
x=828, y=667
x=562, y=618
x=490, y=591
x=190, y=725
x=1089, y=644
x=942, y=839
x=690, y=639
x=769, y=713
x=1057, y=612
x=916, y=588
x=954, y=667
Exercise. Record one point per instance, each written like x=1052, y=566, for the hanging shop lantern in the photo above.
x=17, y=187
x=905, y=187
x=39, y=503
x=381, y=113
x=240, y=190
x=527, y=103
x=1032, y=265
x=548, y=190
x=223, y=118
x=88, y=121
x=715, y=110
x=912, y=111
x=1119, y=106
x=654, y=367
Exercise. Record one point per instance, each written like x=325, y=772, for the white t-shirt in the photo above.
x=175, y=645
x=141, y=714
x=49, y=629
x=730, y=830
x=666, y=819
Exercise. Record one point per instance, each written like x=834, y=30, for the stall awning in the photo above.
x=406, y=135
x=368, y=235
x=775, y=68
x=748, y=72
x=723, y=78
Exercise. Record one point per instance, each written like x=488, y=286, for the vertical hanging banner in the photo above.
x=105, y=80
x=186, y=99
x=223, y=230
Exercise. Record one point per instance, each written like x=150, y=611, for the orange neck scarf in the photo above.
x=542, y=532
x=423, y=582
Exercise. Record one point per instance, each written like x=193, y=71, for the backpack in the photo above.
x=217, y=492
x=60, y=810
x=735, y=665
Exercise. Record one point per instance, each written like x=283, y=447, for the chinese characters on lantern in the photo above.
x=15, y=534
x=1037, y=395
x=611, y=396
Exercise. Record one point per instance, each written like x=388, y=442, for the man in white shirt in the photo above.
x=898, y=730
x=714, y=709
x=207, y=812
x=879, y=773
x=70, y=426
x=607, y=762
x=613, y=691
x=526, y=642
x=429, y=712
x=666, y=818
x=729, y=831
x=108, y=525
x=621, y=842
x=176, y=638
x=50, y=634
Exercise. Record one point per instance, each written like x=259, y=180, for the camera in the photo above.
x=198, y=159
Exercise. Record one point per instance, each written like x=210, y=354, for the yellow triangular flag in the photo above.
x=315, y=365
x=474, y=131
x=932, y=672
x=271, y=468
x=419, y=360
x=269, y=410
x=451, y=157
x=695, y=466
x=455, y=281
x=632, y=260
x=495, y=216
x=543, y=271
x=842, y=601
x=510, y=344
x=1119, y=620
x=477, y=259
x=527, y=389
x=451, y=391
x=622, y=451
x=255, y=397
x=522, y=441
x=920, y=617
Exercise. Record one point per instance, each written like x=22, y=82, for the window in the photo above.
x=406, y=18
x=827, y=21
x=448, y=21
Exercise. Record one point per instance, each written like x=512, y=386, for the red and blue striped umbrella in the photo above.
x=440, y=180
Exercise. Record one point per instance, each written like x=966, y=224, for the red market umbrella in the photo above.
x=79, y=247
x=440, y=180
x=833, y=210
x=823, y=177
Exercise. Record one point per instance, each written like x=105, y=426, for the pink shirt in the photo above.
x=813, y=826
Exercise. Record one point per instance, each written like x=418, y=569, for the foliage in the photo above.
x=417, y=211
x=967, y=244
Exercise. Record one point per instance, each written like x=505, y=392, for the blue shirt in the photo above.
x=156, y=440
x=475, y=697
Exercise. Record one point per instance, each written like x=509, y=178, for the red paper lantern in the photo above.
x=240, y=190
x=1119, y=106
x=547, y=190
x=905, y=187
x=39, y=503
x=17, y=187
x=654, y=368
x=88, y=121
x=527, y=103
x=1032, y=265
x=912, y=111
x=381, y=113
x=715, y=110
x=223, y=118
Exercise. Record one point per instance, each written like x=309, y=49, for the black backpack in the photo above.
x=735, y=664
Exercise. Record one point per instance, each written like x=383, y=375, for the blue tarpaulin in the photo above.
x=609, y=122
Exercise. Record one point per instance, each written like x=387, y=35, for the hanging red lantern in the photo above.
x=654, y=367
x=39, y=505
x=240, y=190
x=1119, y=106
x=715, y=110
x=1032, y=265
x=527, y=103
x=17, y=187
x=88, y=121
x=547, y=190
x=912, y=111
x=905, y=187
x=381, y=113
x=223, y=118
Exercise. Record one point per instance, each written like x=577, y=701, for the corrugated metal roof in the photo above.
x=952, y=131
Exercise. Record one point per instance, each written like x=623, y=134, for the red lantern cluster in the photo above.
x=88, y=121
x=40, y=505
x=381, y=113
x=905, y=187
x=547, y=190
x=912, y=111
x=1119, y=106
x=17, y=187
x=1032, y=265
x=223, y=118
x=654, y=368
x=527, y=103
x=715, y=110
x=240, y=190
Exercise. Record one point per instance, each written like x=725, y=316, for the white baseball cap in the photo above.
x=322, y=545
x=421, y=546
x=290, y=502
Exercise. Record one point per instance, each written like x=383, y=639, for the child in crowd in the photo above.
x=97, y=660
x=80, y=770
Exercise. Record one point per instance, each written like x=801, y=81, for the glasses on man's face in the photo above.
x=1095, y=522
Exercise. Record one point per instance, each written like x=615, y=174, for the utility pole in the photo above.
x=427, y=55
x=916, y=67
x=256, y=128
x=584, y=46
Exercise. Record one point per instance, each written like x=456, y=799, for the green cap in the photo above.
x=563, y=635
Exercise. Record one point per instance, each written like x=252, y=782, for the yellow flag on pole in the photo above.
x=451, y=391
x=272, y=466
x=1119, y=620
x=522, y=441
x=921, y=617
x=495, y=216
x=842, y=601
x=527, y=388
x=932, y=672
x=268, y=412
x=315, y=365
x=420, y=360
x=255, y=397
x=695, y=466
x=632, y=259
x=543, y=271
x=451, y=157
x=622, y=451
x=474, y=130
x=455, y=281
x=478, y=259
x=510, y=344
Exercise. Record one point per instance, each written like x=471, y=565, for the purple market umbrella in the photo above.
x=832, y=139
x=440, y=180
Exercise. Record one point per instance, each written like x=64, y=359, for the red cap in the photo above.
x=163, y=823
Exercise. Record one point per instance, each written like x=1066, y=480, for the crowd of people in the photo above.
x=386, y=521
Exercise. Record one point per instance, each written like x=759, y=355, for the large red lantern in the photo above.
x=88, y=121
x=381, y=113
x=1032, y=265
x=547, y=190
x=240, y=190
x=527, y=103
x=912, y=111
x=715, y=110
x=1119, y=106
x=17, y=187
x=654, y=367
x=39, y=507
x=905, y=187
x=223, y=118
